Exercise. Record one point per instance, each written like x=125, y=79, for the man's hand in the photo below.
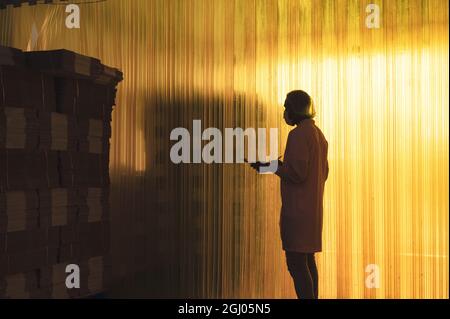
x=257, y=165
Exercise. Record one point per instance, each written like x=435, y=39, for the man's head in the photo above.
x=298, y=106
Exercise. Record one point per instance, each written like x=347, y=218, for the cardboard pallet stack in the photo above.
x=55, y=113
x=18, y=3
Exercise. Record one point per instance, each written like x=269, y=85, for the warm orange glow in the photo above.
x=382, y=101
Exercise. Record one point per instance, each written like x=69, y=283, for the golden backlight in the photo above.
x=382, y=101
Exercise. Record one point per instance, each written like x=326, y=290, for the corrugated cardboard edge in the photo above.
x=63, y=63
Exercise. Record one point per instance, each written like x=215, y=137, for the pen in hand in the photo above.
x=256, y=165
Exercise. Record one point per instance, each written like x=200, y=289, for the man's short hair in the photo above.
x=299, y=106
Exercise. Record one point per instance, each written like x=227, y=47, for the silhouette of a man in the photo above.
x=303, y=173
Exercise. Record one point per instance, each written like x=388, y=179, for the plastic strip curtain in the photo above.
x=212, y=230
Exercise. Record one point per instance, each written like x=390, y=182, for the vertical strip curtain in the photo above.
x=211, y=230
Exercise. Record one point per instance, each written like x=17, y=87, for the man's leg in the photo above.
x=298, y=268
x=314, y=274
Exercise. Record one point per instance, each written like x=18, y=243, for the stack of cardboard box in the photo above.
x=18, y=3
x=55, y=113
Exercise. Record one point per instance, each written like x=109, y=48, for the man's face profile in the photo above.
x=286, y=114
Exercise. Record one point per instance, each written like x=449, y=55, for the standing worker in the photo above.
x=303, y=173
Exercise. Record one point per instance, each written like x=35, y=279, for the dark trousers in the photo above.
x=303, y=270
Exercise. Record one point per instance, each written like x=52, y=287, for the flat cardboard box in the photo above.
x=21, y=169
x=11, y=56
x=67, y=64
x=26, y=89
x=27, y=261
x=84, y=99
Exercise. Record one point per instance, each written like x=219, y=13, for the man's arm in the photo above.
x=295, y=167
x=295, y=172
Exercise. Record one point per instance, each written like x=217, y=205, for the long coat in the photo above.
x=303, y=175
